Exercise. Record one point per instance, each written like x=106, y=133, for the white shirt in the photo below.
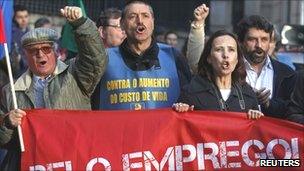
x=264, y=80
x=225, y=93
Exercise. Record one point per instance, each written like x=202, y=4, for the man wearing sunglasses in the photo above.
x=50, y=83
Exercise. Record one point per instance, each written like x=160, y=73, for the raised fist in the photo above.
x=71, y=13
x=200, y=13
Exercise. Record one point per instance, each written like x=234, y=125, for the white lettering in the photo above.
x=37, y=167
x=126, y=161
x=179, y=159
x=273, y=143
x=168, y=157
x=213, y=154
x=295, y=148
x=200, y=156
x=245, y=154
x=100, y=160
x=233, y=154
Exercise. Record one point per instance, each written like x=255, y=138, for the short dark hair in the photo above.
x=106, y=15
x=130, y=2
x=41, y=22
x=19, y=8
x=253, y=21
x=205, y=69
x=170, y=32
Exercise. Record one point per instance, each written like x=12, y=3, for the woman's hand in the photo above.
x=254, y=114
x=182, y=107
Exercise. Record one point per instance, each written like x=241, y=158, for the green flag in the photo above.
x=68, y=40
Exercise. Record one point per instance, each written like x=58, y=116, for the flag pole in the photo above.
x=8, y=63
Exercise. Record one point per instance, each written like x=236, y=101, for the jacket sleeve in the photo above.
x=91, y=62
x=195, y=46
x=184, y=97
x=278, y=106
x=296, y=107
x=183, y=70
x=252, y=101
x=188, y=98
x=5, y=132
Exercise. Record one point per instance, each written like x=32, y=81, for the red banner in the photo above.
x=158, y=140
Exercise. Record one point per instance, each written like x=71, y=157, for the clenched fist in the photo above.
x=71, y=13
x=200, y=14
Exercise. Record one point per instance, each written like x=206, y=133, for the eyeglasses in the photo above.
x=35, y=51
x=112, y=25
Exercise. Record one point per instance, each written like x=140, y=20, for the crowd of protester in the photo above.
x=118, y=55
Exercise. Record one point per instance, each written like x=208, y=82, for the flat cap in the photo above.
x=39, y=35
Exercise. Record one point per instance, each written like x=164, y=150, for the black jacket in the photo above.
x=283, y=83
x=296, y=107
x=204, y=95
x=144, y=62
x=150, y=58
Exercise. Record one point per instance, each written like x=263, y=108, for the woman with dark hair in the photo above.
x=220, y=83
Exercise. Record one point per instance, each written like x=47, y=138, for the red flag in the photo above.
x=2, y=30
x=158, y=140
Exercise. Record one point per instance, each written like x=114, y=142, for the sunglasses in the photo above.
x=35, y=51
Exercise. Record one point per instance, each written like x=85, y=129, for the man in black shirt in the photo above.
x=141, y=74
x=296, y=107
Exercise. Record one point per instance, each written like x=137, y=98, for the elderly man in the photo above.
x=141, y=73
x=49, y=83
x=109, y=28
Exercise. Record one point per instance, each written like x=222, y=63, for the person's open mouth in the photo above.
x=42, y=63
x=140, y=29
x=225, y=65
x=259, y=52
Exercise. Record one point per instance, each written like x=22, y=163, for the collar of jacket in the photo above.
x=24, y=81
x=140, y=62
x=281, y=69
x=200, y=84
